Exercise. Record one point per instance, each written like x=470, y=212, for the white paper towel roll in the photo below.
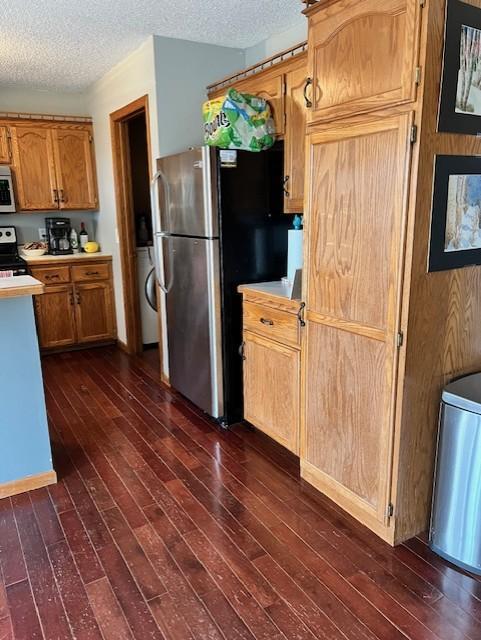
x=294, y=252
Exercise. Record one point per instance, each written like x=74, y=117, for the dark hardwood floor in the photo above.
x=163, y=526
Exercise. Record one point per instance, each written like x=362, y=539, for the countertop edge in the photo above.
x=23, y=290
x=66, y=259
x=255, y=291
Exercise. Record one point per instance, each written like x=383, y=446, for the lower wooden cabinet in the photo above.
x=271, y=389
x=80, y=310
x=94, y=311
x=272, y=362
x=56, y=317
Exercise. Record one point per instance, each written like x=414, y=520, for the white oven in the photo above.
x=7, y=199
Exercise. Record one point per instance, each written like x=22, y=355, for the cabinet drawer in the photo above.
x=51, y=275
x=272, y=323
x=86, y=272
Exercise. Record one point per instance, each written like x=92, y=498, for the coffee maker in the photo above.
x=58, y=235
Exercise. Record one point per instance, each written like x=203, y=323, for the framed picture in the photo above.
x=460, y=102
x=456, y=214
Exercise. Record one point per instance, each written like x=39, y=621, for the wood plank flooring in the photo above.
x=164, y=526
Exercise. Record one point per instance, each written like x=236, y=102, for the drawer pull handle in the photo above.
x=306, y=99
x=92, y=273
x=268, y=322
x=54, y=276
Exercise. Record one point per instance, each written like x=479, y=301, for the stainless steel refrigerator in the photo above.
x=218, y=223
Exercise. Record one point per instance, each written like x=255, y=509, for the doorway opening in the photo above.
x=132, y=174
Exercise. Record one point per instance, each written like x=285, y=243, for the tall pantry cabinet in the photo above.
x=382, y=334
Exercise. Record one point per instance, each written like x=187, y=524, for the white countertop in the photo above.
x=277, y=288
x=16, y=286
x=69, y=257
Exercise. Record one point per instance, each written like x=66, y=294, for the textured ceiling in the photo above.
x=68, y=44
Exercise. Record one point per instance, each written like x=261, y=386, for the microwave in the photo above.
x=7, y=199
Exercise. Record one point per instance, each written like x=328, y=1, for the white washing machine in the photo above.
x=148, y=317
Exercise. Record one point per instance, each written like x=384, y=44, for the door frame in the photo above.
x=125, y=217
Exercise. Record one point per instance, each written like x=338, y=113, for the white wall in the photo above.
x=133, y=78
x=183, y=69
x=284, y=40
x=24, y=100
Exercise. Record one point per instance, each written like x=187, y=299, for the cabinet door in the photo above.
x=271, y=88
x=33, y=168
x=362, y=56
x=271, y=389
x=295, y=137
x=55, y=317
x=75, y=170
x=94, y=310
x=355, y=234
x=4, y=146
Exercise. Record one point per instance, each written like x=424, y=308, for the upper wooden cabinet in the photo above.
x=294, y=138
x=283, y=86
x=33, y=168
x=362, y=56
x=53, y=166
x=4, y=146
x=74, y=168
x=270, y=86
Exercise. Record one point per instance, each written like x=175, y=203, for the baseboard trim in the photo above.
x=27, y=484
x=122, y=346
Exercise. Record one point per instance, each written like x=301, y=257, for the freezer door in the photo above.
x=187, y=200
x=194, y=321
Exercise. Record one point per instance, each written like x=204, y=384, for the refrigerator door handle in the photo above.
x=149, y=289
x=154, y=196
x=158, y=231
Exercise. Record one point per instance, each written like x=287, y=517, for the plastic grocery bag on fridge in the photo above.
x=238, y=121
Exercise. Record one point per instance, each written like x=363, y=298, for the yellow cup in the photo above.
x=91, y=247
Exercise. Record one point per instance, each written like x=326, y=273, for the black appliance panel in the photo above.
x=253, y=231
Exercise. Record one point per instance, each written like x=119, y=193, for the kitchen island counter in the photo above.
x=20, y=286
x=25, y=454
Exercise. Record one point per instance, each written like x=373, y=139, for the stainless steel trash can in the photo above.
x=455, y=532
